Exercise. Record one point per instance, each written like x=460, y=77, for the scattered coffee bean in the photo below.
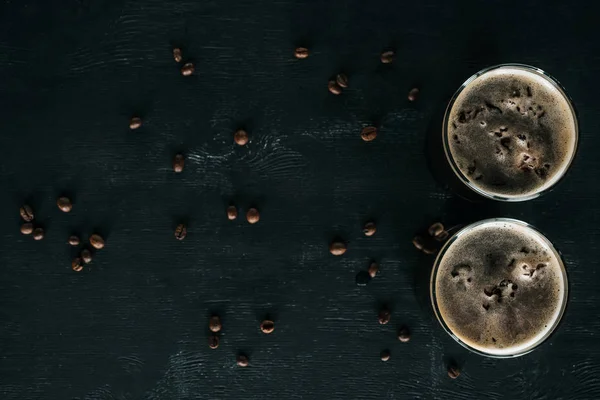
x=342, y=80
x=180, y=232
x=240, y=137
x=27, y=228
x=362, y=278
x=214, y=323
x=373, y=270
x=252, y=215
x=38, y=234
x=442, y=236
x=74, y=240
x=232, y=213
x=242, y=360
x=178, y=163
x=387, y=57
x=177, y=55
x=64, y=204
x=385, y=355
x=413, y=94
x=369, y=229
x=26, y=213
x=301, y=52
x=453, y=371
x=436, y=229
x=187, y=69
x=96, y=241
x=404, y=334
x=337, y=248
x=334, y=87
x=267, y=326
x=384, y=316
x=213, y=341
x=368, y=133
x=135, y=123
x=76, y=264
x=429, y=250
x=418, y=242
x=86, y=256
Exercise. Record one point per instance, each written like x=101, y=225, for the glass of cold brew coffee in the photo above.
x=510, y=132
x=499, y=287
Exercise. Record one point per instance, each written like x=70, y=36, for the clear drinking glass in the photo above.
x=550, y=87
x=534, y=297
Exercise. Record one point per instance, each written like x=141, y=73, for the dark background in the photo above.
x=134, y=324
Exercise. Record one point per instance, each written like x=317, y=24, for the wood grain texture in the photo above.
x=134, y=324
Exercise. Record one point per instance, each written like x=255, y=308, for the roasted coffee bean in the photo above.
x=334, y=87
x=240, y=137
x=177, y=55
x=267, y=326
x=178, y=163
x=337, y=248
x=413, y=94
x=369, y=229
x=213, y=341
x=187, y=69
x=442, y=236
x=384, y=316
x=26, y=213
x=242, y=360
x=252, y=215
x=214, y=323
x=232, y=213
x=342, y=80
x=38, y=234
x=387, y=57
x=27, y=228
x=404, y=334
x=135, y=123
x=180, y=232
x=64, y=204
x=362, y=278
x=373, y=270
x=74, y=240
x=96, y=241
x=301, y=52
x=76, y=264
x=368, y=133
x=418, y=242
x=436, y=229
x=453, y=371
x=385, y=355
x=86, y=256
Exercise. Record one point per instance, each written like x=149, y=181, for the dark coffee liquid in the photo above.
x=511, y=132
x=500, y=288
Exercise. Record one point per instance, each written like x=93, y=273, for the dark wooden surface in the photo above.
x=134, y=324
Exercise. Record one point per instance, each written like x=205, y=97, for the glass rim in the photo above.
x=448, y=244
x=463, y=178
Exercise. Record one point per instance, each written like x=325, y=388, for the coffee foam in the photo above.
x=512, y=132
x=500, y=288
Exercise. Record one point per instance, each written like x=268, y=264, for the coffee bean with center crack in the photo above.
x=97, y=241
x=368, y=133
x=180, y=232
x=26, y=213
x=301, y=52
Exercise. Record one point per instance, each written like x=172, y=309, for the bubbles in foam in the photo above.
x=517, y=126
x=500, y=280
